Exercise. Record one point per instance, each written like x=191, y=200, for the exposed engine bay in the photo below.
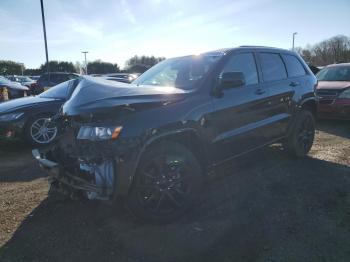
x=80, y=167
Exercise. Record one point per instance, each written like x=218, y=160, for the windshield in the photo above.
x=60, y=91
x=334, y=73
x=181, y=72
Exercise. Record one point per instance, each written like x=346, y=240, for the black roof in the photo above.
x=250, y=47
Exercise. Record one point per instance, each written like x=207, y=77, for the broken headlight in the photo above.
x=97, y=133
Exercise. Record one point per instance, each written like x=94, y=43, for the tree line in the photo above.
x=333, y=50
x=136, y=64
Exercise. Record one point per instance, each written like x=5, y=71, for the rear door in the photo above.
x=238, y=112
x=280, y=90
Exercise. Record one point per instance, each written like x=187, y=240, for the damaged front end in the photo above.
x=78, y=169
x=102, y=128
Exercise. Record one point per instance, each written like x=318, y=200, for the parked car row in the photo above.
x=11, y=90
x=38, y=84
x=29, y=117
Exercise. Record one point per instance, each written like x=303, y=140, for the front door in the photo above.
x=239, y=111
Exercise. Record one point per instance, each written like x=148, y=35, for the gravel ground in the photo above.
x=263, y=207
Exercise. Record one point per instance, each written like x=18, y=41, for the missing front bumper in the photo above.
x=98, y=185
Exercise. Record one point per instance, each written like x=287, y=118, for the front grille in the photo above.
x=327, y=96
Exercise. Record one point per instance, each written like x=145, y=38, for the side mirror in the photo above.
x=231, y=80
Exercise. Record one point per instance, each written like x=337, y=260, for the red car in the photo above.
x=333, y=91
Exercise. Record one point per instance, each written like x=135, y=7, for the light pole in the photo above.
x=294, y=34
x=85, y=52
x=44, y=28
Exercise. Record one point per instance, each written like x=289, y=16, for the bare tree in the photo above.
x=333, y=50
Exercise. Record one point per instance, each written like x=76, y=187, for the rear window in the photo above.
x=294, y=67
x=60, y=91
x=272, y=67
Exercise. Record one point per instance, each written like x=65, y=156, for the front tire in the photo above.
x=300, y=140
x=167, y=182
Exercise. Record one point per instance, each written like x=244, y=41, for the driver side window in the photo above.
x=244, y=63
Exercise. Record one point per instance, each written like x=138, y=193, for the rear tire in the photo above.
x=167, y=182
x=300, y=140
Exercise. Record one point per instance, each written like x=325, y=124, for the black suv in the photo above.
x=54, y=78
x=152, y=141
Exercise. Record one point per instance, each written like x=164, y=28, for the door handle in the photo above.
x=293, y=84
x=260, y=91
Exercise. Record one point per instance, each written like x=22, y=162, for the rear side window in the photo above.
x=294, y=67
x=244, y=63
x=272, y=67
x=60, y=91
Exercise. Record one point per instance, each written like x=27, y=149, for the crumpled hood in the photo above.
x=95, y=94
x=333, y=84
x=20, y=103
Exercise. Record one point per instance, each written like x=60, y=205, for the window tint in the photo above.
x=244, y=63
x=294, y=67
x=272, y=67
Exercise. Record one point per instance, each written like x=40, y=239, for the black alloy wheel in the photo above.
x=300, y=141
x=167, y=182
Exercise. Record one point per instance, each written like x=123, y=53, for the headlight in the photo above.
x=10, y=117
x=95, y=133
x=345, y=94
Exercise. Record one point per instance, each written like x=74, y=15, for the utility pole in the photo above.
x=294, y=34
x=85, y=52
x=44, y=28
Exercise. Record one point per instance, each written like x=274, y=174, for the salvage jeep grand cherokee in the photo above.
x=151, y=142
